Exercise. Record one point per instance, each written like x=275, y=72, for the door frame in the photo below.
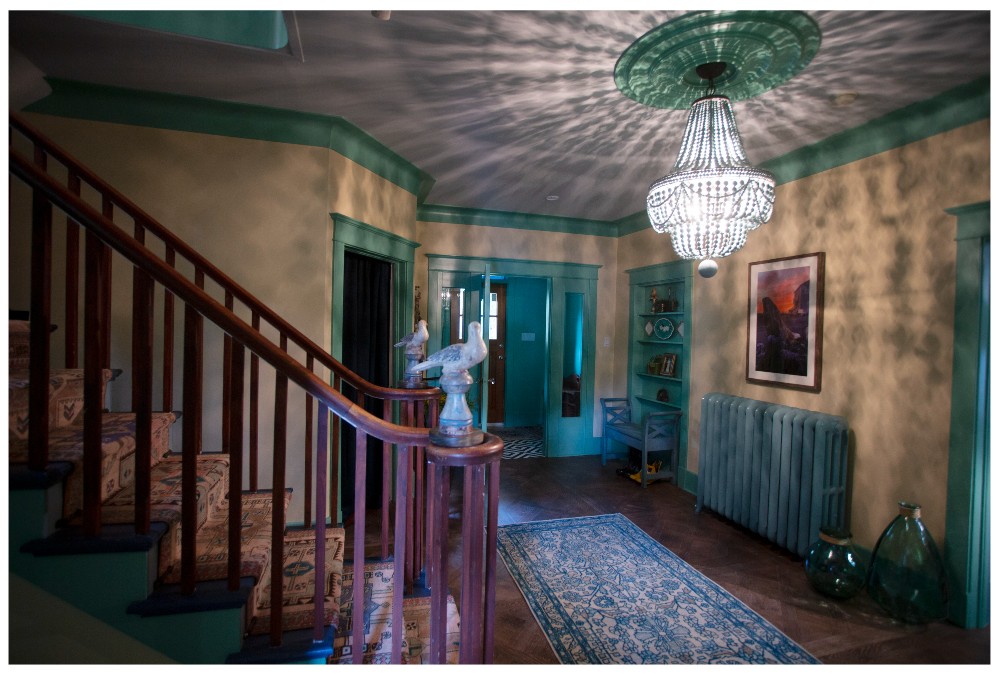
x=967, y=518
x=368, y=240
x=443, y=269
x=501, y=349
x=351, y=234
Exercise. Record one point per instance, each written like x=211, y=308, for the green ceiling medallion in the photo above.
x=761, y=50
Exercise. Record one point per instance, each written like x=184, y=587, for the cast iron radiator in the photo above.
x=778, y=471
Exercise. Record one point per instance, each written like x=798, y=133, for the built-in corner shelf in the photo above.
x=659, y=348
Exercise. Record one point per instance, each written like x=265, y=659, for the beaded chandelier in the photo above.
x=713, y=197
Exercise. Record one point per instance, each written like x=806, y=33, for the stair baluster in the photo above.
x=142, y=388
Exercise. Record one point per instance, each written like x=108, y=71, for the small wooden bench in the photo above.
x=657, y=432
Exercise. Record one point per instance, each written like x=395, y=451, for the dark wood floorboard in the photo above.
x=768, y=579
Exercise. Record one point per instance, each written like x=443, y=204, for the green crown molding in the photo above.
x=73, y=99
x=962, y=105
x=512, y=267
x=447, y=214
x=362, y=236
x=262, y=29
x=761, y=50
x=632, y=224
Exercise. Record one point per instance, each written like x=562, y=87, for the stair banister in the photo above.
x=412, y=442
x=212, y=272
x=206, y=306
x=111, y=198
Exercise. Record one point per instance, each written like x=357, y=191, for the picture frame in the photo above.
x=785, y=322
x=668, y=368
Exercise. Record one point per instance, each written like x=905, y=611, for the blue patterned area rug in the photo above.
x=604, y=592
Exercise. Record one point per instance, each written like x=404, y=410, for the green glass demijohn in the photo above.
x=833, y=566
x=907, y=576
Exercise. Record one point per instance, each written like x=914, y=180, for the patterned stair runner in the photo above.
x=377, y=621
x=118, y=496
x=65, y=399
x=118, y=445
x=298, y=583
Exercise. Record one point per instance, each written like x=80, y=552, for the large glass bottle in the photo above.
x=907, y=574
x=833, y=566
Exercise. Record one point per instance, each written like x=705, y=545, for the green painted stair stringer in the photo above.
x=104, y=585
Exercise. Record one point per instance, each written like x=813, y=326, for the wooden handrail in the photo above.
x=181, y=248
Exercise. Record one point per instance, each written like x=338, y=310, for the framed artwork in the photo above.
x=668, y=368
x=785, y=322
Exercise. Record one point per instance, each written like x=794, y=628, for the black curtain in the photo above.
x=367, y=347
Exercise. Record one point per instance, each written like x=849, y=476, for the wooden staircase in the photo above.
x=109, y=518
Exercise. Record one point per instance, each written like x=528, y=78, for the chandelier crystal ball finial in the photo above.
x=713, y=197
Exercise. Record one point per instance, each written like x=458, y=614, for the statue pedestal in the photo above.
x=413, y=380
x=454, y=428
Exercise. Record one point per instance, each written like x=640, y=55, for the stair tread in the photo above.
x=66, y=443
x=118, y=448
x=165, y=499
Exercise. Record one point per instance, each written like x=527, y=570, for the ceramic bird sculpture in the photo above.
x=458, y=357
x=414, y=341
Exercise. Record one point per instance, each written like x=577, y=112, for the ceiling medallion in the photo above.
x=762, y=50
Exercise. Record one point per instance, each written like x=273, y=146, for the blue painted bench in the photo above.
x=657, y=432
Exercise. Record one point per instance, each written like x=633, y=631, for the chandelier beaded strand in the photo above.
x=713, y=197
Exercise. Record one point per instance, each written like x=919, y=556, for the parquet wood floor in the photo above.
x=769, y=580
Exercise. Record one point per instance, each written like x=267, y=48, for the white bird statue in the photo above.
x=414, y=341
x=458, y=357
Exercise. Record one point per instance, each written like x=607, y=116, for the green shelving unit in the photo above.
x=659, y=353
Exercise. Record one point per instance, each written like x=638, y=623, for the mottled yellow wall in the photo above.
x=888, y=316
x=489, y=241
x=366, y=197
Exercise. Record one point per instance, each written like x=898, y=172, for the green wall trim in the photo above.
x=679, y=268
x=973, y=220
x=448, y=214
x=967, y=522
x=688, y=481
x=357, y=236
x=366, y=237
x=962, y=105
x=263, y=29
x=87, y=101
x=512, y=267
x=633, y=223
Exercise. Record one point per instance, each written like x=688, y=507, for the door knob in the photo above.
x=492, y=381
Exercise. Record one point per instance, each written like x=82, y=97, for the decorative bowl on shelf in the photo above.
x=663, y=328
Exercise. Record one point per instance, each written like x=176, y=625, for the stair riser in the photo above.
x=65, y=400
x=118, y=463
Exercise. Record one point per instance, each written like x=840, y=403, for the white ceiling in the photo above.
x=504, y=108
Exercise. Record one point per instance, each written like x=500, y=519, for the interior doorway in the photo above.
x=367, y=350
x=496, y=333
